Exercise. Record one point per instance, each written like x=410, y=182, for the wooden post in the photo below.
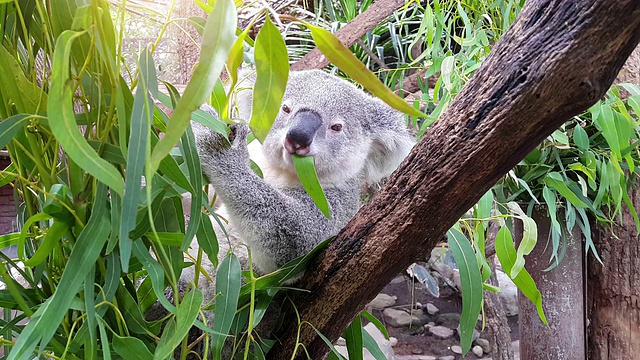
x=562, y=290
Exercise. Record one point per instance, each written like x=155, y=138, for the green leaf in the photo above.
x=192, y=162
x=555, y=181
x=580, y=138
x=506, y=252
x=550, y=199
x=353, y=337
x=53, y=235
x=329, y=344
x=228, y=283
x=342, y=57
x=186, y=314
x=7, y=240
x=305, y=167
x=141, y=117
x=218, y=36
x=607, y=124
x=289, y=271
x=371, y=345
x=446, y=69
x=233, y=62
x=272, y=67
x=207, y=239
x=16, y=88
x=9, y=128
x=166, y=238
x=84, y=255
x=375, y=322
x=529, y=238
x=471, y=283
x=483, y=210
x=62, y=120
x=155, y=273
x=130, y=348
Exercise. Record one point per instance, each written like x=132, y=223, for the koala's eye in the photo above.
x=286, y=109
x=336, y=127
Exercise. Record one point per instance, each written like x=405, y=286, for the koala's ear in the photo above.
x=391, y=142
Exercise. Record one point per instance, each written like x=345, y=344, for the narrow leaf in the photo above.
x=554, y=180
x=471, y=283
x=186, y=315
x=342, y=57
x=62, y=120
x=272, y=67
x=506, y=252
x=228, y=283
x=130, y=348
x=9, y=128
x=305, y=167
x=353, y=336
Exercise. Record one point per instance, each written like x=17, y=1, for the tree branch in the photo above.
x=351, y=32
x=557, y=59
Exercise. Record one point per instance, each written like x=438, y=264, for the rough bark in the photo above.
x=614, y=290
x=563, y=296
x=350, y=33
x=557, y=59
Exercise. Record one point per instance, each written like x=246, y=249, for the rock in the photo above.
x=441, y=332
x=430, y=324
x=431, y=309
x=449, y=318
x=448, y=357
x=400, y=318
x=484, y=344
x=341, y=341
x=383, y=301
x=477, y=351
x=416, y=351
x=398, y=280
x=416, y=357
x=456, y=349
x=417, y=305
x=393, y=341
x=455, y=278
x=508, y=293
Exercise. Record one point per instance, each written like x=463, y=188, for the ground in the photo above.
x=417, y=340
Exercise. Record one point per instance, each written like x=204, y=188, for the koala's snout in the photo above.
x=305, y=124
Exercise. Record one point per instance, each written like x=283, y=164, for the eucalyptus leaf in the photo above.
x=471, y=283
x=272, y=67
x=305, y=167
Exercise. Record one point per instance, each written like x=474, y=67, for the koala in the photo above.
x=354, y=138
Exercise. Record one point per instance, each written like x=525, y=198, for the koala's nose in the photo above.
x=300, y=136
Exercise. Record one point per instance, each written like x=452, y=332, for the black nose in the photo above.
x=300, y=136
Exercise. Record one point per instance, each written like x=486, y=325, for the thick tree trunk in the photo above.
x=562, y=290
x=557, y=59
x=614, y=290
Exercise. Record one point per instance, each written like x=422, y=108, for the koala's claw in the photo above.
x=238, y=134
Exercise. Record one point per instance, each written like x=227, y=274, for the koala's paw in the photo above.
x=214, y=148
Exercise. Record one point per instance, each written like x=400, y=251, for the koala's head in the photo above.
x=349, y=133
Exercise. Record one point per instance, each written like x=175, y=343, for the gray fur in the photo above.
x=274, y=215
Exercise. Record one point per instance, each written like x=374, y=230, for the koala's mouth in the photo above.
x=296, y=148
